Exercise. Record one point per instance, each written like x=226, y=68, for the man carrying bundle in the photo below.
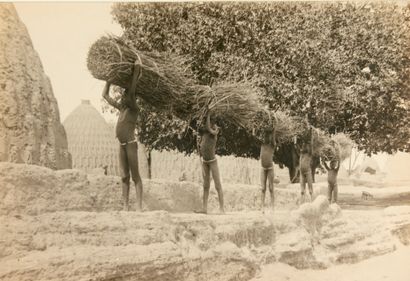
x=305, y=164
x=332, y=172
x=125, y=132
x=266, y=157
x=207, y=147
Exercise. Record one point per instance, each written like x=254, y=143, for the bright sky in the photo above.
x=61, y=34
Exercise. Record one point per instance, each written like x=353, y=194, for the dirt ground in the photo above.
x=67, y=225
x=392, y=267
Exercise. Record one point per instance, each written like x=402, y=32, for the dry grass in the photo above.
x=337, y=147
x=165, y=84
x=345, y=144
x=286, y=126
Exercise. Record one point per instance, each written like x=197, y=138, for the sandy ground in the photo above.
x=350, y=195
x=66, y=225
x=389, y=267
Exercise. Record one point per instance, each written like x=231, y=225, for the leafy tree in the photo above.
x=345, y=66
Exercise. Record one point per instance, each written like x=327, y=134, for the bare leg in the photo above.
x=218, y=185
x=271, y=191
x=125, y=178
x=207, y=185
x=132, y=155
x=125, y=193
x=302, y=186
x=329, y=193
x=263, y=186
x=310, y=184
x=335, y=191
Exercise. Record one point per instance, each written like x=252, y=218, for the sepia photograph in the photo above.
x=205, y=140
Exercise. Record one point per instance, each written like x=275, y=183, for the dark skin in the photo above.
x=305, y=164
x=267, y=173
x=125, y=132
x=206, y=149
x=332, y=172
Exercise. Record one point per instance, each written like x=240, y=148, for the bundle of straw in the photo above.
x=338, y=147
x=235, y=102
x=345, y=144
x=321, y=144
x=330, y=151
x=286, y=126
x=262, y=121
x=164, y=84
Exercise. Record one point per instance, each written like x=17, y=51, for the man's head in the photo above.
x=267, y=136
x=305, y=148
x=212, y=118
x=122, y=100
x=333, y=164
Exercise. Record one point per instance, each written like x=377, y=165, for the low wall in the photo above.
x=33, y=190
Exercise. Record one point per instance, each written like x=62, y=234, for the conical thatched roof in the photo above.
x=91, y=141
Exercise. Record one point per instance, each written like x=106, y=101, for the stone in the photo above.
x=30, y=128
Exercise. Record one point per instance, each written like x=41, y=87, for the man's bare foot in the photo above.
x=202, y=211
x=221, y=210
x=138, y=209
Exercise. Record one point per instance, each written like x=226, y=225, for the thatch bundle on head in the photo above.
x=345, y=145
x=236, y=103
x=329, y=150
x=162, y=83
x=320, y=143
x=286, y=126
x=165, y=84
x=263, y=120
x=338, y=147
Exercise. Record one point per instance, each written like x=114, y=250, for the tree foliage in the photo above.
x=344, y=65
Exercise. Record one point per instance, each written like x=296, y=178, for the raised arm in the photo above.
x=326, y=166
x=106, y=96
x=208, y=125
x=338, y=165
x=275, y=122
x=132, y=99
x=311, y=140
x=198, y=144
x=297, y=146
x=274, y=137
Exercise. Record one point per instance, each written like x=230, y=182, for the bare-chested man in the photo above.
x=207, y=147
x=125, y=132
x=332, y=172
x=267, y=173
x=305, y=164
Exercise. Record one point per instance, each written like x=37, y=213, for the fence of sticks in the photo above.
x=167, y=85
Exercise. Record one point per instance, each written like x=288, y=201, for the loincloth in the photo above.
x=208, y=161
x=128, y=142
x=267, y=169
